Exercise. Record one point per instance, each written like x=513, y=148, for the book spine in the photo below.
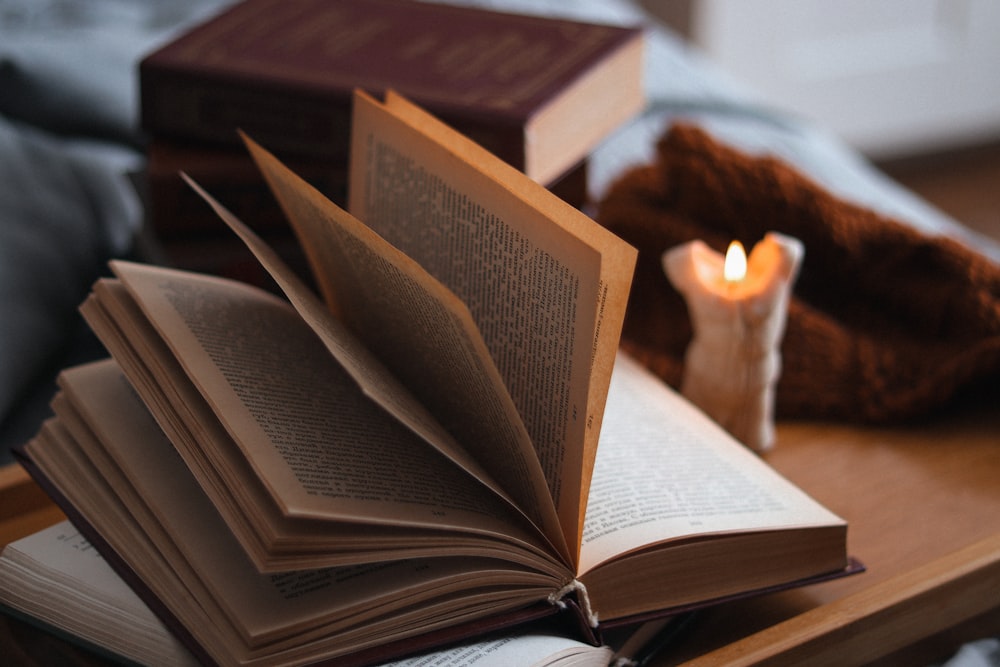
x=295, y=121
x=174, y=210
x=193, y=107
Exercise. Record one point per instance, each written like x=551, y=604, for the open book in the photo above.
x=414, y=457
x=57, y=580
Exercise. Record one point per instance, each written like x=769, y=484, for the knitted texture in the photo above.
x=885, y=323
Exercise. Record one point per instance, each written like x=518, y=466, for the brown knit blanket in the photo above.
x=885, y=323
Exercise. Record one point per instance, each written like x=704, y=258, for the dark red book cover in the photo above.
x=283, y=71
x=175, y=211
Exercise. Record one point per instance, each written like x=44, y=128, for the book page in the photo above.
x=546, y=285
x=57, y=576
x=665, y=471
x=139, y=480
x=529, y=649
x=422, y=333
x=370, y=374
x=321, y=447
x=258, y=514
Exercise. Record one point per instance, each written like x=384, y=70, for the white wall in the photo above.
x=892, y=77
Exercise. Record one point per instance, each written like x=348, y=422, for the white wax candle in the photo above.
x=734, y=359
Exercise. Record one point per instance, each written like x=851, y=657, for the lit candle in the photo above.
x=738, y=309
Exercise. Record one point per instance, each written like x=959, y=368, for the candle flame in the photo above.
x=735, y=268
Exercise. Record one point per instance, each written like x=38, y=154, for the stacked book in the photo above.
x=540, y=93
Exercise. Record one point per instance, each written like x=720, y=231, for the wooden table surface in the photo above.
x=922, y=502
x=923, y=505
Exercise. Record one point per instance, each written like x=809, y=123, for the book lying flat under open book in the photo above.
x=56, y=579
x=414, y=458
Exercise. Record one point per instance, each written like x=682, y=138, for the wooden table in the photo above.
x=923, y=504
x=923, y=507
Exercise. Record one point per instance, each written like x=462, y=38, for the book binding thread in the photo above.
x=575, y=586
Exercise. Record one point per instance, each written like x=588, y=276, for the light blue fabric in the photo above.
x=69, y=141
x=69, y=65
x=982, y=653
x=64, y=209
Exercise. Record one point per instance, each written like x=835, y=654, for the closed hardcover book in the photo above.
x=538, y=92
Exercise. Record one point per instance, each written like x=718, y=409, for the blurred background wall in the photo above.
x=892, y=77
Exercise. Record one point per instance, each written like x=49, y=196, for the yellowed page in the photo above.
x=277, y=537
x=546, y=285
x=321, y=447
x=370, y=374
x=665, y=471
x=149, y=486
x=422, y=333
